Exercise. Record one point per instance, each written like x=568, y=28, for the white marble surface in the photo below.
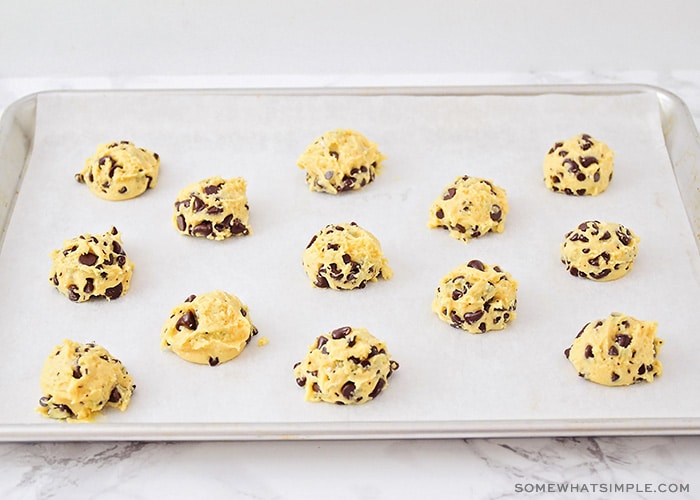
x=48, y=58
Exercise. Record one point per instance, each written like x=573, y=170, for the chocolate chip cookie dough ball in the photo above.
x=80, y=380
x=213, y=208
x=579, y=166
x=345, y=366
x=599, y=251
x=208, y=329
x=92, y=266
x=617, y=350
x=344, y=257
x=120, y=171
x=340, y=160
x=476, y=297
x=470, y=207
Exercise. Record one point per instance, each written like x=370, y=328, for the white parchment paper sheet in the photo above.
x=519, y=373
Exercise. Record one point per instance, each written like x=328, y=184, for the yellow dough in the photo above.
x=120, y=171
x=343, y=257
x=340, y=160
x=79, y=380
x=91, y=266
x=210, y=328
x=345, y=366
x=470, y=207
x=599, y=251
x=213, y=208
x=618, y=350
x=579, y=166
x=476, y=297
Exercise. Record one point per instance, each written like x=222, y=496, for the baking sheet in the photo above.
x=449, y=380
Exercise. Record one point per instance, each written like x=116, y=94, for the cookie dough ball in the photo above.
x=599, y=251
x=343, y=257
x=346, y=366
x=208, y=329
x=213, y=208
x=617, y=350
x=476, y=297
x=470, y=207
x=340, y=160
x=92, y=266
x=79, y=380
x=579, y=166
x=120, y=171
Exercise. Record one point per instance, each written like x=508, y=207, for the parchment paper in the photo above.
x=445, y=374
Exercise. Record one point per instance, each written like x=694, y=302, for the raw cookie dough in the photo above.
x=208, y=329
x=599, y=251
x=470, y=207
x=92, y=266
x=476, y=297
x=79, y=380
x=340, y=160
x=579, y=166
x=120, y=171
x=618, y=350
x=343, y=257
x=345, y=366
x=213, y=208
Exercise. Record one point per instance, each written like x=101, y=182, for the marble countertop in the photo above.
x=76, y=53
x=590, y=467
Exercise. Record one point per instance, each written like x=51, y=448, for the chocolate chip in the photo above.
x=613, y=351
x=190, y=298
x=197, y=204
x=301, y=381
x=237, y=227
x=88, y=259
x=312, y=241
x=346, y=258
x=449, y=194
x=623, y=340
x=76, y=371
x=341, y=332
x=321, y=341
x=348, y=389
x=203, y=229
x=587, y=161
x=572, y=166
x=114, y=292
x=212, y=189
x=188, y=320
x=460, y=228
x=496, y=213
x=212, y=210
x=377, y=388
x=89, y=285
x=567, y=351
x=122, y=189
x=623, y=236
x=580, y=192
x=328, y=175
x=73, y=294
x=473, y=317
x=476, y=264
x=642, y=370
x=457, y=294
x=439, y=214
x=321, y=282
x=181, y=224
x=334, y=154
x=115, y=396
x=213, y=361
x=315, y=387
x=588, y=351
x=614, y=377
x=580, y=177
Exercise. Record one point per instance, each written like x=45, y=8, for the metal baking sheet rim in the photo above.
x=683, y=146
